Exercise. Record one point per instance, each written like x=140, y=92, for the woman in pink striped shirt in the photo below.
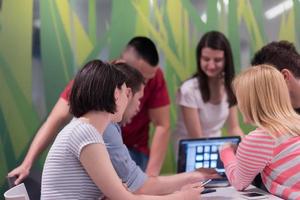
x=273, y=149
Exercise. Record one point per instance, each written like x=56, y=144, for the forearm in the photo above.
x=58, y=117
x=158, y=150
x=192, y=122
x=236, y=131
x=41, y=141
x=168, y=184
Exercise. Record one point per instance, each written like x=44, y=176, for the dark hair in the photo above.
x=146, y=49
x=215, y=40
x=134, y=78
x=94, y=88
x=281, y=55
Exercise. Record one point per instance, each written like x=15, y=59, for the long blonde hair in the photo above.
x=263, y=98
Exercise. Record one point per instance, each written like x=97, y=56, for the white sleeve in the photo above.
x=189, y=95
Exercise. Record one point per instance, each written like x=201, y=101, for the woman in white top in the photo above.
x=78, y=165
x=206, y=100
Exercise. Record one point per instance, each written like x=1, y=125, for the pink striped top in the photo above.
x=277, y=160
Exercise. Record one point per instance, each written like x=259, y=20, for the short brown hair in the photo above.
x=134, y=78
x=94, y=88
x=281, y=55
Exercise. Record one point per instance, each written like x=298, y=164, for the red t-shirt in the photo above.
x=136, y=133
x=67, y=91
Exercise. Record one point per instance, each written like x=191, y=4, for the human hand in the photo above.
x=228, y=145
x=191, y=191
x=207, y=173
x=21, y=172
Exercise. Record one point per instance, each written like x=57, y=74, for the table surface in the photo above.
x=228, y=193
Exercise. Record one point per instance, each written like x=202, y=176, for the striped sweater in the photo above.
x=277, y=160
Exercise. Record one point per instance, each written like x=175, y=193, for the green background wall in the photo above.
x=43, y=43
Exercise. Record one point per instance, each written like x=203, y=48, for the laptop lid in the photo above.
x=202, y=153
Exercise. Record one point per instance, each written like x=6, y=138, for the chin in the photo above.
x=118, y=119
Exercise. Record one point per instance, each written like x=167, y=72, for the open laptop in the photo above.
x=203, y=153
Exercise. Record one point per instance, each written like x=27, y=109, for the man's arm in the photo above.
x=161, y=120
x=233, y=123
x=58, y=117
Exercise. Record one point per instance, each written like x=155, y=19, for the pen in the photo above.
x=203, y=183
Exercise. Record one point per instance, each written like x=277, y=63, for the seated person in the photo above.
x=128, y=171
x=283, y=56
x=206, y=100
x=78, y=165
x=273, y=149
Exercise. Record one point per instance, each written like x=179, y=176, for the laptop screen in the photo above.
x=202, y=153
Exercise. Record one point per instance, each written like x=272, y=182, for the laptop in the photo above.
x=203, y=153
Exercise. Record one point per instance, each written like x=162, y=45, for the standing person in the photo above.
x=71, y=171
x=283, y=56
x=154, y=107
x=142, y=54
x=206, y=100
x=273, y=149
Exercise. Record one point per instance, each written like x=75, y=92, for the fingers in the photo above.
x=197, y=186
x=207, y=170
x=12, y=173
x=19, y=179
x=19, y=174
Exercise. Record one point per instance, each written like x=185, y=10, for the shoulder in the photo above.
x=189, y=85
x=259, y=138
x=112, y=133
x=82, y=131
x=158, y=79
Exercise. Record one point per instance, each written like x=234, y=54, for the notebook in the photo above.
x=203, y=153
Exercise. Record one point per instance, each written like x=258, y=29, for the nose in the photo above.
x=138, y=107
x=211, y=65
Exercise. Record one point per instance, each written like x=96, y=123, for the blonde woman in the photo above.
x=273, y=149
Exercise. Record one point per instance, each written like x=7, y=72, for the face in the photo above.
x=121, y=96
x=293, y=84
x=212, y=62
x=132, y=106
x=132, y=58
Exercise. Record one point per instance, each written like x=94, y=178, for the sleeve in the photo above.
x=187, y=96
x=125, y=167
x=135, y=178
x=253, y=154
x=158, y=87
x=82, y=136
x=67, y=91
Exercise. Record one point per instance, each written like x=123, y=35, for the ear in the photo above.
x=287, y=75
x=130, y=93
x=117, y=95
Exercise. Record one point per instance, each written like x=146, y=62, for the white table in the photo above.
x=228, y=193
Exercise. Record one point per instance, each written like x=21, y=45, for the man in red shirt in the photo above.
x=142, y=54
x=154, y=108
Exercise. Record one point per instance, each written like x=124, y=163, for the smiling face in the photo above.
x=132, y=106
x=212, y=62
